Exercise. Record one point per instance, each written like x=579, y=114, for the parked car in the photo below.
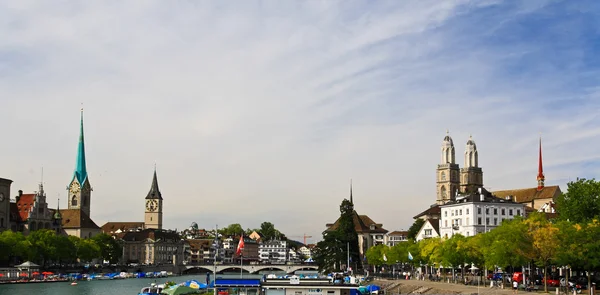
x=552, y=281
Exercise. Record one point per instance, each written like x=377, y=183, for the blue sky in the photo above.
x=264, y=110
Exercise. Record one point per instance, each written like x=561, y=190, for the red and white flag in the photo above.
x=240, y=246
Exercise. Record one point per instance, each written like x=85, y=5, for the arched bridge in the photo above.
x=252, y=268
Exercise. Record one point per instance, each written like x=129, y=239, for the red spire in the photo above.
x=540, y=176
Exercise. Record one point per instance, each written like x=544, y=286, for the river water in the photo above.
x=101, y=287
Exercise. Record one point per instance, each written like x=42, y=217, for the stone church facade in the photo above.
x=451, y=179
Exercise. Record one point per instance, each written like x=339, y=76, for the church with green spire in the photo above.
x=76, y=219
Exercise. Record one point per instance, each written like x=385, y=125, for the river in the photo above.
x=101, y=287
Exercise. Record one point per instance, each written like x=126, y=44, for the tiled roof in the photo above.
x=435, y=223
x=24, y=205
x=197, y=244
x=14, y=213
x=362, y=224
x=528, y=194
x=111, y=227
x=76, y=218
x=433, y=210
x=152, y=234
x=398, y=233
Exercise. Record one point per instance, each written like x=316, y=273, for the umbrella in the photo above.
x=35, y=273
x=47, y=273
x=194, y=284
x=1, y=274
x=23, y=274
x=180, y=290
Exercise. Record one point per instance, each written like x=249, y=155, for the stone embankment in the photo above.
x=428, y=287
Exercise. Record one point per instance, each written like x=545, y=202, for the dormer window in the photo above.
x=372, y=227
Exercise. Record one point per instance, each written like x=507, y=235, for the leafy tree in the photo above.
x=544, y=242
x=413, y=231
x=43, y=244
x=453, y=252
x=87, y=250
x=375, y=255
x=399, y=252
x=12, y=246
x=65, y=249
x=579, y=246
x=331, y=252
x=581, y=202
x=232, y=230
x=269, y=231
x=110, y=249
x=430, y=251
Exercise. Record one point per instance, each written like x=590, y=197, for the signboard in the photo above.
x=294, y=280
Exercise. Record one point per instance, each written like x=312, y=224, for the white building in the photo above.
x=396, y=237
x=430, y=229
x=476, y=213
x=274, y=252
x=305, y=252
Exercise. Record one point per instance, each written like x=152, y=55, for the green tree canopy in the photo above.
x=413, y=231
x=332, y=252
x=111, y=250
x=234, y=229
x=581, y=202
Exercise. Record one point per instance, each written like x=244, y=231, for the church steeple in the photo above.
x=351, y=201
x=80, y=167
x=154, y=192
x=540, y=177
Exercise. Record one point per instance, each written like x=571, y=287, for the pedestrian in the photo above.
x=515, y=286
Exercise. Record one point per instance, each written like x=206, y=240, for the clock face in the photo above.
x=151, y=205
x=75, y=187
x=1, y=197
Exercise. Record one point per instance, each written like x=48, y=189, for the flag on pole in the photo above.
x=384, y=258
x=410, y=257
x=240, y=246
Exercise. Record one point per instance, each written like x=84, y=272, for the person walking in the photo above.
x=515, y=286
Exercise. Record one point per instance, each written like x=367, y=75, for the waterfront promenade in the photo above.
x=401, y=286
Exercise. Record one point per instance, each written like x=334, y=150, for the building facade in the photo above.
x=451, y=179
x=474, y=213
x=5, y=203
x=430, y=229
x=152, y=246
x=273, y=252
x=396, y=237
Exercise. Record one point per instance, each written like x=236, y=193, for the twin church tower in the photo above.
x=450, y=178
x=80, y=190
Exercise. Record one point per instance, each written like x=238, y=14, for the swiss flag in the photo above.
x=240, y=246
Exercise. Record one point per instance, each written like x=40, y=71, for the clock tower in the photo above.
x=153, y=216
x=79, y=189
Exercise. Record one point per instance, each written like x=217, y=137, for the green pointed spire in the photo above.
x=80, y=168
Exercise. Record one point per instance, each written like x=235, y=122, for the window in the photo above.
x=445, y=213
x=443, y=176
x=495, y=211
x=452, y=213
x=503, y=211
x=467, y=221
x=495, y=221
x=445, y=223
x=460, y=212
x=74, y=201
x=467, y=211
x=478, y=210
x=428, y=232
x=487, y=221
x=487, y=210
x=479, y=220
x=518, y=212
x=510, y=212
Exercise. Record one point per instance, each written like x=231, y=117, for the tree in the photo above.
x=430, y=251
x=87, y=250
x=413, y=231
x=43, y=244
x=65, y=249
x=544, y=241
x=375, y=255
x=581, y=202
x=232, y=230
x=269, y=232
x=332, y=252
x=111, y=250
x=453, y=252
x=12, y=246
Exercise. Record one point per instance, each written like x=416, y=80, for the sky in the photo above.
x=258, y=111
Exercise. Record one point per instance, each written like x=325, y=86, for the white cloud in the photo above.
x=263, y=111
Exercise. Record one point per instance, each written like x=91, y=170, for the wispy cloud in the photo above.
x=263, y=110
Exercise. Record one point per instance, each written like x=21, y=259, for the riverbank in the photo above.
x=429, y=287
